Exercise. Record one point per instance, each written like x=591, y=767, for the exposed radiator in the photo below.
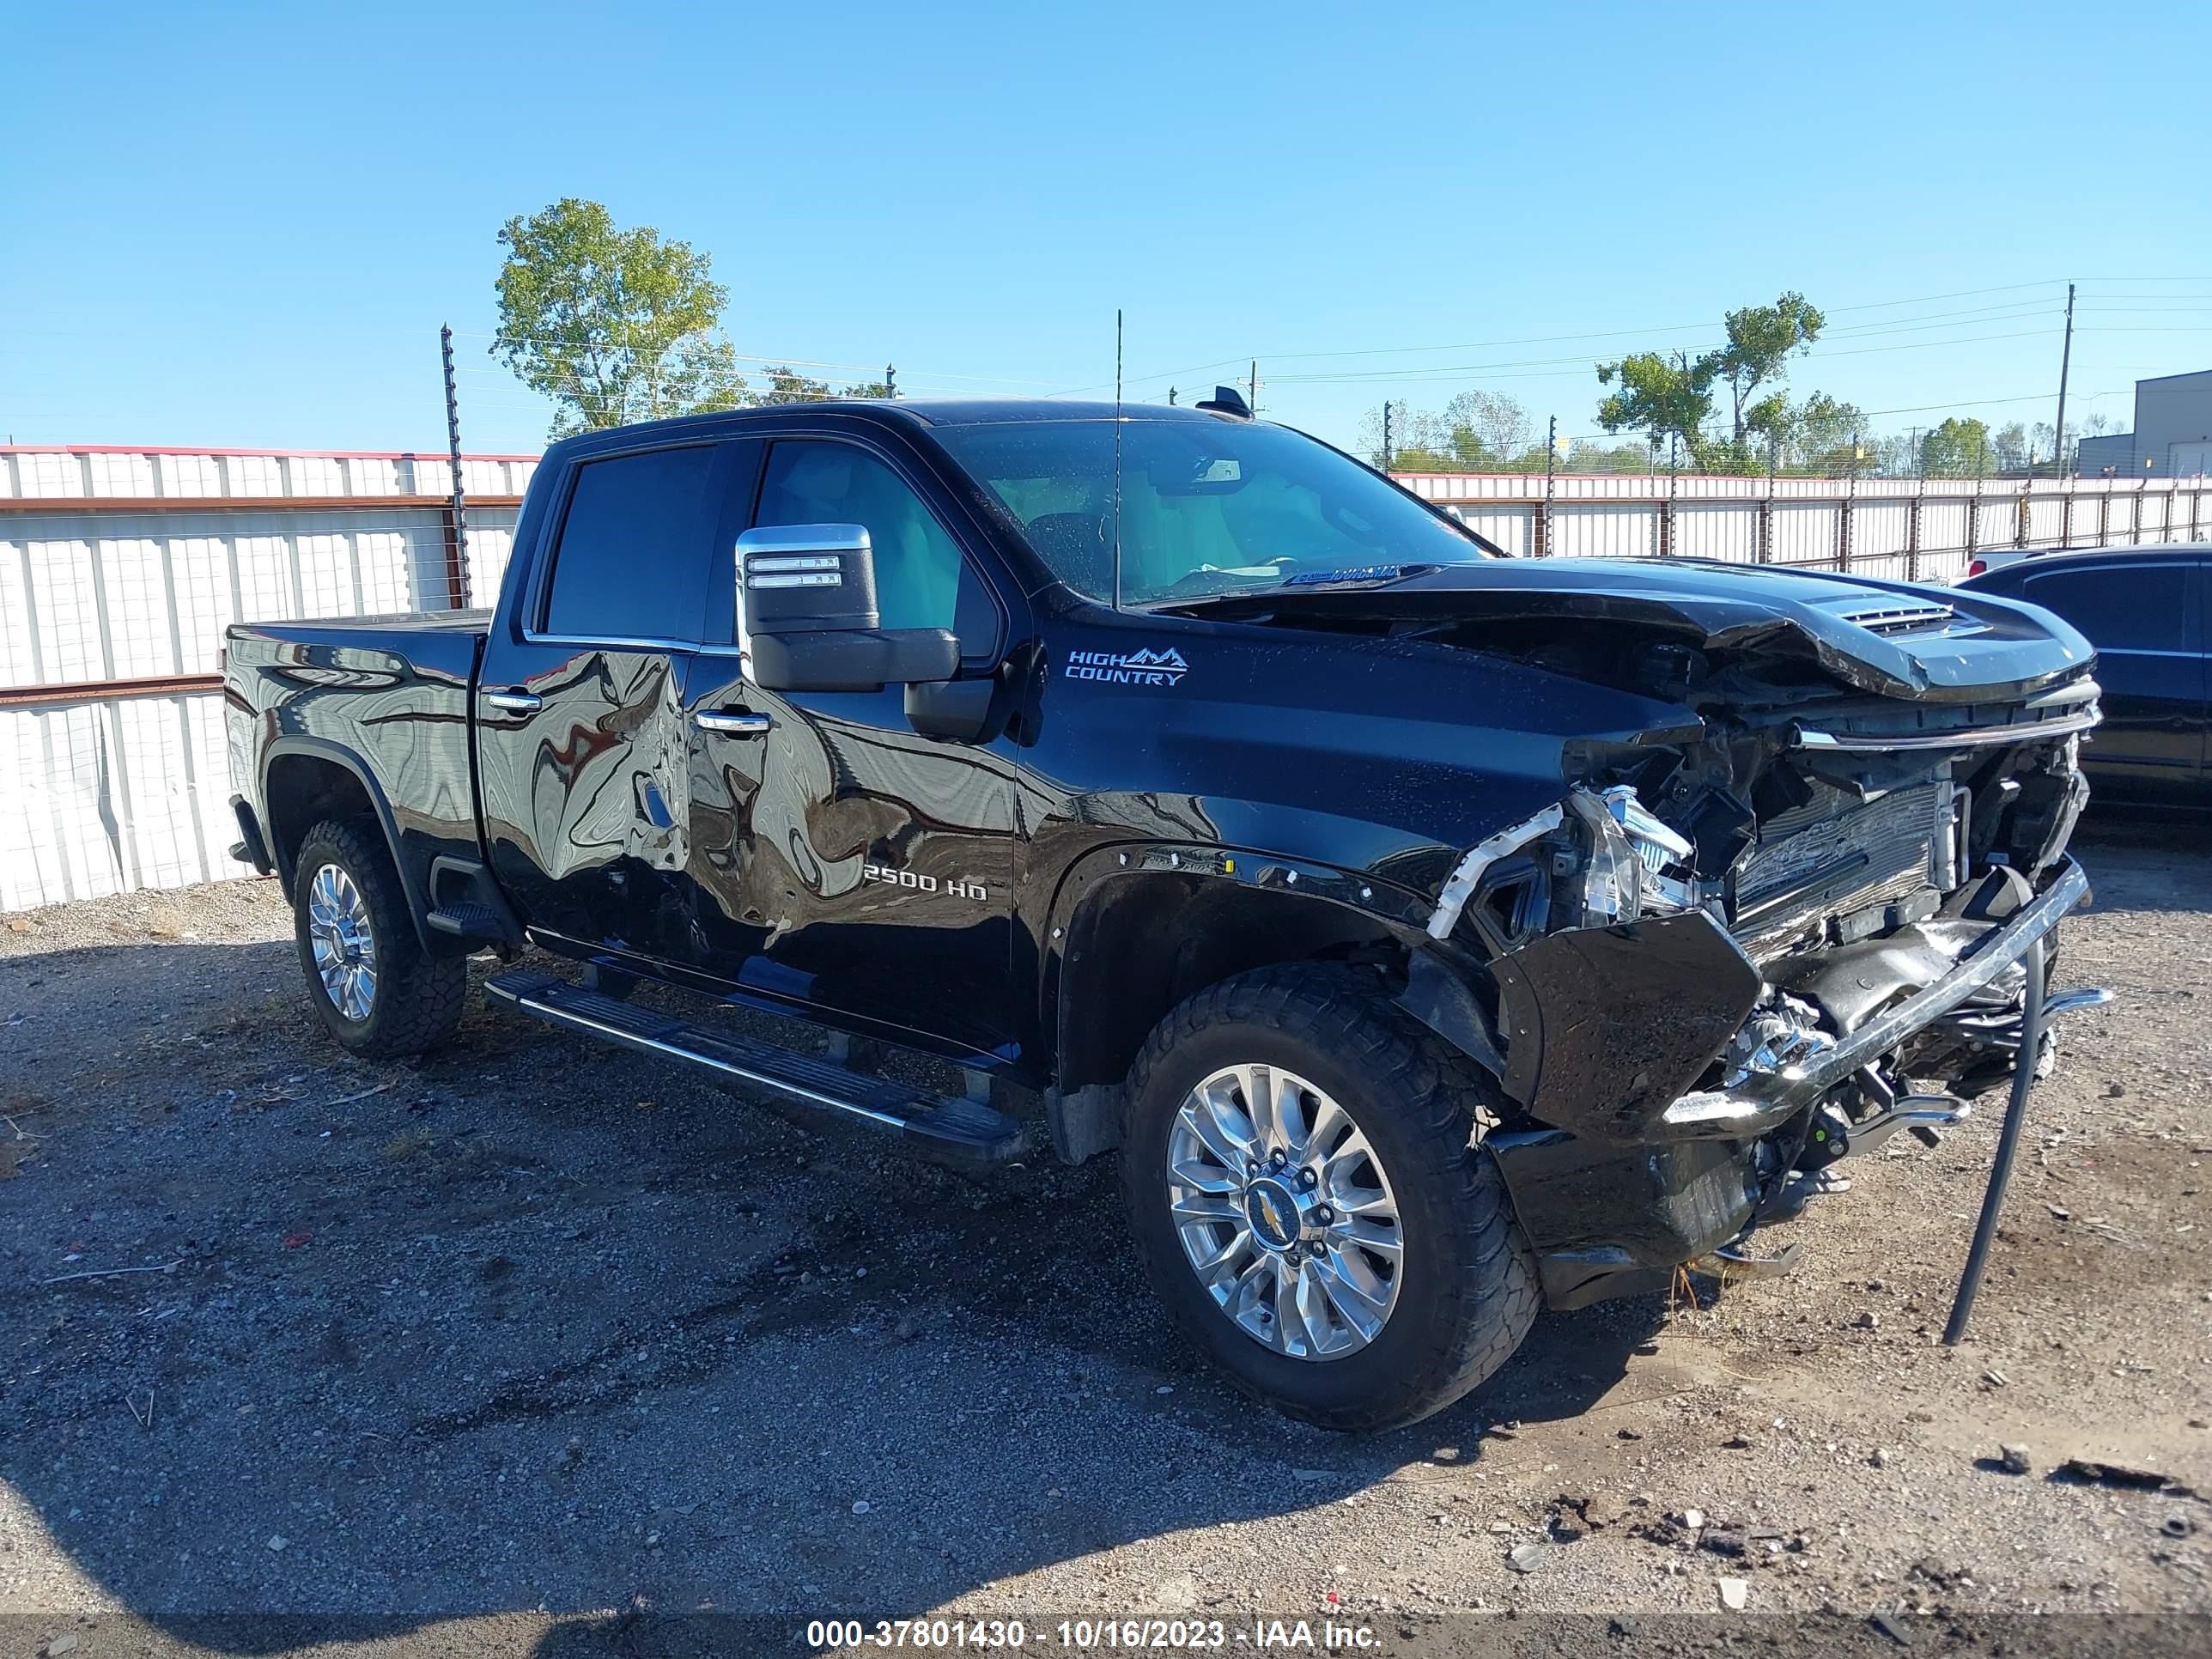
x=1833, y=856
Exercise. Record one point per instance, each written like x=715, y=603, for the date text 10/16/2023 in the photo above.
x=1127, y=1635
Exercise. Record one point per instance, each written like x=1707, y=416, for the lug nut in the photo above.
x=1276, y=1159
x=1307, y=1178
x=1324, y=1215
x=1251, y=1166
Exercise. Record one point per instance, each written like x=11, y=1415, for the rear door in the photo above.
x=2143, y=617
x=840, y=858
x=581, y=734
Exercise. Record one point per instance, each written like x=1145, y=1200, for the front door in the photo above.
x=840, y=858
x=582, y=741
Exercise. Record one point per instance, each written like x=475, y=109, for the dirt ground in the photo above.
x=534, y=1336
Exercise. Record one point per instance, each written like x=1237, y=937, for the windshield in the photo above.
x=1207, y=506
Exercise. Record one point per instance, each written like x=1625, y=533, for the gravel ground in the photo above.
x=533, y=1336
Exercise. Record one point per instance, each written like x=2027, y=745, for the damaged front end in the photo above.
x=1716, y=966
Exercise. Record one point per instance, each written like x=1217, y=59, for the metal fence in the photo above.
x=119, y=569
x=1909, y=529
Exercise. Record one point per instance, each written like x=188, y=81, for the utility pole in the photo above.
x=1254, y=384
x=457, y=572
x=891, y=382
x=2065, y=362
x=1386, y=434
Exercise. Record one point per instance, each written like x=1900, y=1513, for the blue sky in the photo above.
x=243, y=225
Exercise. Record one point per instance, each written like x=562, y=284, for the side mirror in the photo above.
x=807, y=618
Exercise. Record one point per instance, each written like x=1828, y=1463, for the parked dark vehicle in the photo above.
x=1436, y=935
x=2148, y=611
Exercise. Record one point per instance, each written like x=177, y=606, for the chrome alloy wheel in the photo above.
x=345, y=951
x=1285, y=1213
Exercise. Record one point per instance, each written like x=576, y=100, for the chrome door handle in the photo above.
x=735, y=722
x=513, y=702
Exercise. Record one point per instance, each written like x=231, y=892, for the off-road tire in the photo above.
x=418, y=997
x=1470, y=1290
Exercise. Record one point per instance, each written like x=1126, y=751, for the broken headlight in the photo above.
x=1634, y=865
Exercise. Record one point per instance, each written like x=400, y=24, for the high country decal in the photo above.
x=1144, y=668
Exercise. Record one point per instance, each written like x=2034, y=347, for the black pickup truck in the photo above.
x=1437, y=936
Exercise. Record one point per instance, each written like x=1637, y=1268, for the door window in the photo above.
x=631, y=563
x=2137, y=607
x=921, y=581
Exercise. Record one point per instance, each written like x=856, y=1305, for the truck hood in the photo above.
x=1895, y=639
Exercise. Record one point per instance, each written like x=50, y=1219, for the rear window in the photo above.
x=631, y=562
x=2125, y=607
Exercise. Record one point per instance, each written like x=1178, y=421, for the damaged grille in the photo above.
x=1835, y=855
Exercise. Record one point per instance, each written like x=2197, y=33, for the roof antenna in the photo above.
x=1117, y=458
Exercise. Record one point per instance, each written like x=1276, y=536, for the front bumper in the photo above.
x=1761, y=1103
x=1616, y=1189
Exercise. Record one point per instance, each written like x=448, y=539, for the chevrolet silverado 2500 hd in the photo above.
x=1436, y=935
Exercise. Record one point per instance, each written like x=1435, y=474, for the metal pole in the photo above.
x=2065, y=363
x=1386, y=434
x=2023, y=1076
x=1255, y=386
x=1551, y=460
x=890, y=381
x=460, y=507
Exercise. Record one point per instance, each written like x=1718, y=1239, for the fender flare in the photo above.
x=323, y=749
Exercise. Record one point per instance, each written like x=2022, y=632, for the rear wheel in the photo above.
x=1308, y=1200
x=378, y=992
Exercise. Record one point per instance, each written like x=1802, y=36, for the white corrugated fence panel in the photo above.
x=1879, y=527
x=68, y=610
x=1588, y=531
x=373, y=475
x=491, y=545
x=18, y=659
x=134, y=589
x=1512, y=528
x=1805, y=532
x=120, y=475
x=1943, y=524
x=200, y=475
x=44, y=475
x=95, y=798
x=1716, y=530
x=253, y=475
x=317, y=475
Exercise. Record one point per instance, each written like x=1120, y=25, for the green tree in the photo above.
x=1486, y=431
x=613, y=325
x=787, y=385
x=1825, y=437
x=1956, y=449
x=1760, y=339
x=2011, y=443
x=1674, y=400
x=1659, y=399
x=867, y=389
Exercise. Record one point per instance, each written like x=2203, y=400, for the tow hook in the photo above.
x=1733, y=1261
x=1922, y=1114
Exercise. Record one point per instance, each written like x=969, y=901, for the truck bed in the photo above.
x=380, y=703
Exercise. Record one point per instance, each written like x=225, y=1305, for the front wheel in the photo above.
x=1310, y=1207
x=378, y=992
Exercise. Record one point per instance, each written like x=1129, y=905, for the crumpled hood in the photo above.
x=1898, y=639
